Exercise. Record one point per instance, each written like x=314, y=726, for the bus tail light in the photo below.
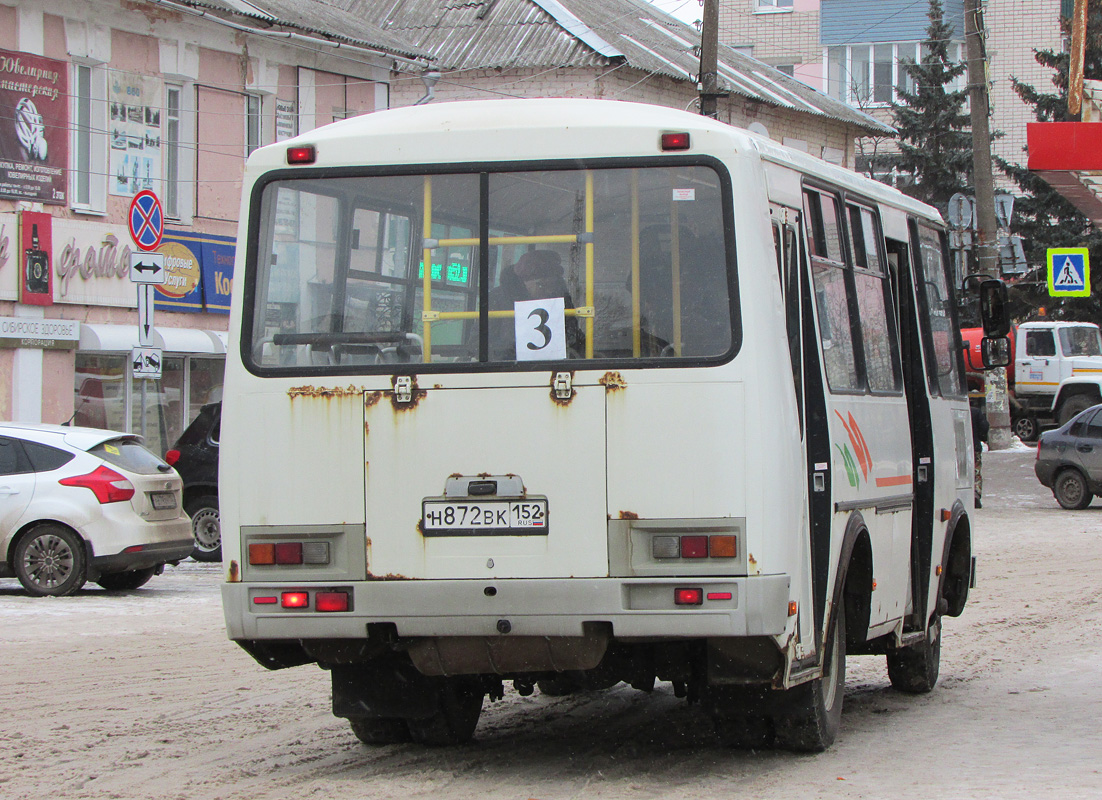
x=262, y=554
x=331, y=601
x=302, y=155
x=694, y=546
x=295, y=599
x=171, y=457
x=675, y=141
x=688, y=597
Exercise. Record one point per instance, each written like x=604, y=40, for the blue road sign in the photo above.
x=146, y=220
x=1069, y=272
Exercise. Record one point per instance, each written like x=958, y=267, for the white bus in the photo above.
x=564, y=393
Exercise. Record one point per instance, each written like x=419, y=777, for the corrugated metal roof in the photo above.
x=321, y=18
x=535, y=34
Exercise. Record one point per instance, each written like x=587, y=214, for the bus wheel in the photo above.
x=914, y=669
x=808, y=716
x=380, y=730
x=458, y=707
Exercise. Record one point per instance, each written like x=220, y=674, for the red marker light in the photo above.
x=675, y=141
x=331, y=601
x=688, y=597
x=694, y=546
x=265, y=601
x=719, y=595
x=172, y=456
x=295, y=600
x=302, y=155
x=288, y=553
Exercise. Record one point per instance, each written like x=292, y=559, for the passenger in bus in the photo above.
x=537, y=275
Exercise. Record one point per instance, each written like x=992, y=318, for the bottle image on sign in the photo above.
x=36, y=264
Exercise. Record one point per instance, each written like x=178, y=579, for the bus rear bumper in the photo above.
x=634, y=607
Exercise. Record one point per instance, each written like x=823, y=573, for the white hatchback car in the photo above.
x=80, y=504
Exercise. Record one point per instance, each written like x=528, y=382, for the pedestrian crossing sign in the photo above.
x=1069, y=273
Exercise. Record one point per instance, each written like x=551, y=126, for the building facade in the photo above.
x=859, y=46
x=101, y=101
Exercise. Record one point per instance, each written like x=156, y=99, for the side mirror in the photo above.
x=995, y=351
x=993, y=308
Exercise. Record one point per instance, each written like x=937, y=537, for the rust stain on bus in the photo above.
x=562, y=401
x=371, y=398
x=390, y=576
x=416, y=395
x=613, y=382
x=324, y=391
x=628, y=515
x=235, y=573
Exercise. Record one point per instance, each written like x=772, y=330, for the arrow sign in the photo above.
x=145, y=315
x=147, y=268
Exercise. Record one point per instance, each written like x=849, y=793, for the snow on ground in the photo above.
x=140, y=695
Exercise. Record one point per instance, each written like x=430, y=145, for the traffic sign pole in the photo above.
x=146, y=222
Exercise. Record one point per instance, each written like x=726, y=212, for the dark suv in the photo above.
x=195, y=457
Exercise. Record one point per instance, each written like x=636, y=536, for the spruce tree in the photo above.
x=935, y=140
x=1042, y=216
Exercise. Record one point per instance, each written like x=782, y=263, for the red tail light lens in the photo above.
x=331, y=601
x=107, y=485
x=171, y=457
x=288, y=553
x=295, y=599
x=688, y=597
x=301, y=155
x=694, y=546
x=675, y=141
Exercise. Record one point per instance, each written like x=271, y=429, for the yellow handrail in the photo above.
x=426, y=283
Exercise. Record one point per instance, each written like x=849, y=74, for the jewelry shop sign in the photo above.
x=34, y=127
x=49, y=334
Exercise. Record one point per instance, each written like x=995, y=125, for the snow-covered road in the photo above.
x=140, y=695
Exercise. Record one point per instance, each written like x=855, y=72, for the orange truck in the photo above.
x=1055, y=372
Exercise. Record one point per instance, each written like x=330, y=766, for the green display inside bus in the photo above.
x=452, y=273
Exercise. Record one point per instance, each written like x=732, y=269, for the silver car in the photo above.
x=82, y=504
x=1069, y=459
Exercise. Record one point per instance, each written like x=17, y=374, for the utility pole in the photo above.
x=709, y=45
x=986, y=249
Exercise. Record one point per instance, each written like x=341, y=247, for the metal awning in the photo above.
x=100, y=338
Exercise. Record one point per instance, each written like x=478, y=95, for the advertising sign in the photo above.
x=135, y=104
x=34, y=127
x=198, y=272
x=49, y=334
x=36, y=283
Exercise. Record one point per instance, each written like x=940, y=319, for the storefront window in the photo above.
x=166, y=406
x=100, y=390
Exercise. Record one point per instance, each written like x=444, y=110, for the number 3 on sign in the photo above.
x=540, y=329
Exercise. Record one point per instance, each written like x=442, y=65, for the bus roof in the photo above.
x=547, y=129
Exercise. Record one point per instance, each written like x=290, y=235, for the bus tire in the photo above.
x=809, y=715
x=458, y=707
x=380, y=730
x=914, y=669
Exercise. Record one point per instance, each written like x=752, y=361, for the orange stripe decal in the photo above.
x=894, y=480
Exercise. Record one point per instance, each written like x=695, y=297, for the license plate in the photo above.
x=484, y=518
x=163, y=500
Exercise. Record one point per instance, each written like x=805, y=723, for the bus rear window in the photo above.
x=354, y=273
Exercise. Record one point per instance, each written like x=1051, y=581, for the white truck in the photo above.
x=1056, y=372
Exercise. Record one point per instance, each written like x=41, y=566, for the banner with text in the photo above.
x=34, y=127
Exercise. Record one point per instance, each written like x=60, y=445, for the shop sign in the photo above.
x=53, y=334
x=199, y=269
x=36, y=285
x=9, y=270
x=92, y=264
x=34, y=127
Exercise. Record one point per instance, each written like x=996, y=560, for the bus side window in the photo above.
x=878, y=335
x=824, y=237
